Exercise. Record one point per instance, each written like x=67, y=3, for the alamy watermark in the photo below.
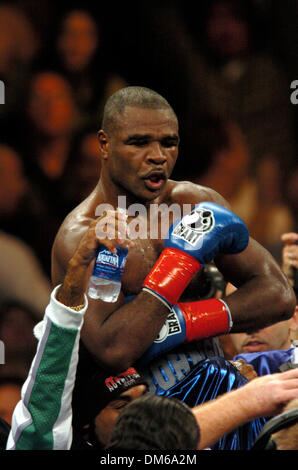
x=2, y=92
x=2, y=352
x=154, y=221
x=294, y=95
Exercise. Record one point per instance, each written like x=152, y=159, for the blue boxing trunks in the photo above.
x=179, y=375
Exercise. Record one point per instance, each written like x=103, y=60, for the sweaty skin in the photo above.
x=146, y=144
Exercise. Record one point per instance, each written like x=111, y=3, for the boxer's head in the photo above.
x=138, y=142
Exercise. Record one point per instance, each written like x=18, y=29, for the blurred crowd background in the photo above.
x=226, y=68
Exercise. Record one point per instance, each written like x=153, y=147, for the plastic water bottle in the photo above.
x=105, y=282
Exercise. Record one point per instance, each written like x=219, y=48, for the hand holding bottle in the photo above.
x=111, y=230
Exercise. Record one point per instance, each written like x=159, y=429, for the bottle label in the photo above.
x=109, y=265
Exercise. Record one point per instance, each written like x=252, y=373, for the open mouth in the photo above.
x=154, y=181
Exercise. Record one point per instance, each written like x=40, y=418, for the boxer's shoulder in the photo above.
x=78, y=220
x=186, y=192
x=70, y=232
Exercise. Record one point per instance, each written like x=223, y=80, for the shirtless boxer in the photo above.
x=138, y=146
x=42, y=418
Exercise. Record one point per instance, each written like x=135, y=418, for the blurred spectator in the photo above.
x=21, y=276
x=16, y=331
x=243, y=82
x=76, y=45
x=19, y=40
x=13, y=184
x=20, y=269
x=291, y=193
x=10, y=394
x=258, y=199
x=83, y=169
x=45, y=139
x=225, y=149
x=19, y=45
x=78, y=54
x=53, y=117
x=271, y=217
x=290, y=263
x=290, y=256
x=218, y=65
x=4, y=432
x=78, y=40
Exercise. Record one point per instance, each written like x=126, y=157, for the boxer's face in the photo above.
x=140, y=155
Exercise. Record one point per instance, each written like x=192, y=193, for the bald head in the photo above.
x=134, y=96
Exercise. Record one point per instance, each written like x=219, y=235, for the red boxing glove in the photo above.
x=204, y=318
x=170, y=275
x=190, y=321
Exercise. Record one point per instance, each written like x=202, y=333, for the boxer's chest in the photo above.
x=141, y=258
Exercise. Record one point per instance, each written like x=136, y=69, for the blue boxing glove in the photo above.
x=207, y=230
x=191, y=242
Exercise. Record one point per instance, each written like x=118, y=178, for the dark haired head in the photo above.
x=247, y=12
x=156, y=423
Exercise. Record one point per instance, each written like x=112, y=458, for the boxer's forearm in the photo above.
x=71, y=292
x=260, y=303
x=116, y=334
x=120, y=339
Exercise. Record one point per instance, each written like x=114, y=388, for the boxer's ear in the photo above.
x=104, y=144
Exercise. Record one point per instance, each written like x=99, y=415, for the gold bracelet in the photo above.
x=77, y=307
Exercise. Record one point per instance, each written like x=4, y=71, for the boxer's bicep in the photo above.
x=254, y=262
